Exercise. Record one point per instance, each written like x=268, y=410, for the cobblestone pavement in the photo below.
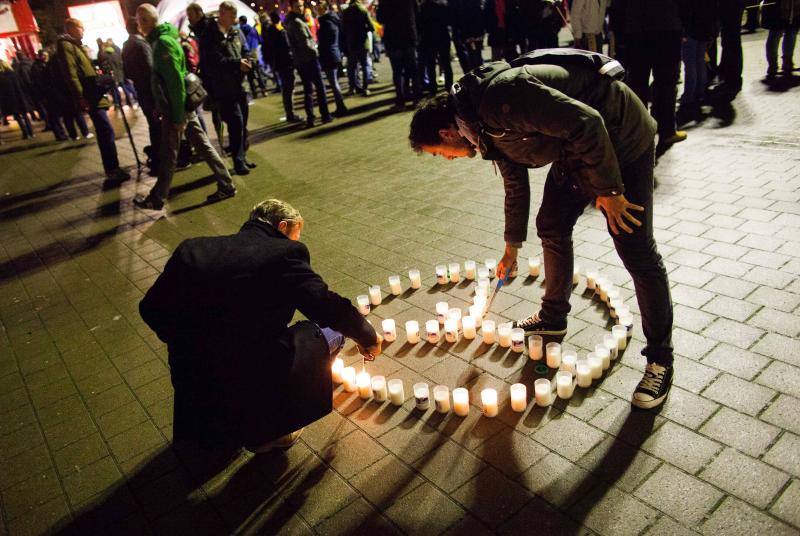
x=86, y=401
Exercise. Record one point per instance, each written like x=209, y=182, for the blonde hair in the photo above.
x=274, y=211
x=5, y=66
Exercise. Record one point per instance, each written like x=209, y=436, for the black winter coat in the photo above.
x=12, y=95
x=329, y=36
x=645, y=17
x=700, y=19
x=356, y=25
x=277, y=52
x=222, y=305
x=224, y=63
x=399, y=19
x=467, y=18
x=434, y=24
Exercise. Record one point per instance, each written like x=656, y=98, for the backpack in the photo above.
x=196, y=94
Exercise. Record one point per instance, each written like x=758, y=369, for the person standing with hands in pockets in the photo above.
x=569, y=108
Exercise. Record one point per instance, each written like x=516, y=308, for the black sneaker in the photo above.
x=148, y=203
x=654, y=387
x=219, y=195
x=534, y=325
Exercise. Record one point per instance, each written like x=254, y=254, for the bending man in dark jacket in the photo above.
x=241, y=375
x=600, y=137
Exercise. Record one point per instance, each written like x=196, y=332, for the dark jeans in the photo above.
x=311, y=76
x=333, y=81
x=154, y=131
x=432, y=56
x=334, y=339
x=404, y=74
x=286, y=77
x=694, y=65
x=234, y=112
x=24, y=124
x=661, y=55
x=357, y=58
x=105, y=138
x=74, y=116
x=562, y=204
x=730, y=64
x=469, y=53
x=789, y=39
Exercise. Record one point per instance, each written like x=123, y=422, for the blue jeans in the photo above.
x=357, y=58
x=311, y=77
x=404, y=73
x=105, y=138
x=334, y=339
x=694, y=64
x=789, y=39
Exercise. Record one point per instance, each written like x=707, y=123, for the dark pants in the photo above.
x=773, y=39
x=404, y=74
x=333, y=81
x=311, y=76
x=730, y=64
x=661, y=55
x=154, y=132
x=54, y=115
x=469, y=52
x=562, y=204
x=357, y=58
x=286, y=78
x=73, y=116
x=105, y=138
x=24, y=124
x=440, y=55
x=234, y=112
x=695, y=69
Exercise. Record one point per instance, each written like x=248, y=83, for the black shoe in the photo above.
x=340, y=111
x=180, y=166
x=243, y=170
x=148, y=203
x=533, y=325
x=249, y=164
x=327, y=119
x=309, y=122
x=654, y=387
x=221, y=194
x=295, y=118
x=118, y=175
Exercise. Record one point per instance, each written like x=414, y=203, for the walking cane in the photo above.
x=130, y=137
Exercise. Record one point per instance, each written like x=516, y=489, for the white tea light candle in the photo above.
x=595, y=365
x=602, y=352
x=620, y=333
x=432, y=331
x=468, y=325
x=364, y=384
x=441, y=398
x=441, y=274
x=412, y=331
x=363, y=304
x=455, y=314
x=553, y=354
x=336, y=370
x=504, y=335
x=476, y=312
x=491, y=265
x=535, y=347
x=583, y=373
x=397, y=394
x=568, y=361
x=375, y=295
x=389, y=330
x=349, y=379
x=489, y=402
x=483, y=273
x=610, y=342
x=565, y=387
x=591, y=279
x=416, y=278
x=441, y=311
x=461, y=402
x=534, y=266
x=394, y=285
x=488, y=331
x=543, y=392
x=450, y=330
x=455, y=272
x=518, y=340
x=519, y=397
x=469, y=269
x=576, y=275
x=379, y=389
x=422, y=396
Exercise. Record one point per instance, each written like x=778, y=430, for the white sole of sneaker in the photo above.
x=648, y=404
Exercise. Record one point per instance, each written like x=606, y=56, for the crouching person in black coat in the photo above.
x=241, y=374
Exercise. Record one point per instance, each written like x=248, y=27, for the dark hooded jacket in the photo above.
x=12, y=94
x=304, y=49
x=357, y=25
x=700, y=19
x=532, y=115
x=277, y=52
x=329, y=36
x=77, y=73
x=434, y=24
x=399, y=19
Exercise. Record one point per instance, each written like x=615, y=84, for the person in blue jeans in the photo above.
x=782, y=19
x=700, y=26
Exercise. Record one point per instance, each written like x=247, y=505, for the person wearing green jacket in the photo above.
x=169, y=91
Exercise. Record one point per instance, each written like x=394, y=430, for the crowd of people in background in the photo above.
x=328, y=41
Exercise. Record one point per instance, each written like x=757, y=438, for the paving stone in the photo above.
x=690, y=344
x=736, y=361
x=736, y=517
x=681, y=447
x=620, y=464
x=142, y=437
x=386, y=481
x=91, y=479
x=691, y=375
x=609, y=511
x=80, y=454
x=773, y=320
x=687, y=409
x=731, y=308
x=751, y=480
x=326, y=430
x=733, y=287
x=449, y=466
x=53, y=515
x=34, y=460
x=620, y=419
x=781, y=347
x=352, y=453
x=425, y=510
x=744, y=396
x=776, y=299
x=744, y=433
x=357, y=518
x=786, y=506
x=23, y=497
x=734, y=333
x=570, y=437
x=666, y=526
x=544, y=517
x=411, y=442
x=679, y=495
x=492, y=497
x=781, y=377
x=511, y=452
x=557, y=480
x=785, y=454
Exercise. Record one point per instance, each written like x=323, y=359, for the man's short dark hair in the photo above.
x=434, y=114
x=275, y=17
x=242, y=19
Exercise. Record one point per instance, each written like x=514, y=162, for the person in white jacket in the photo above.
x=587, y=17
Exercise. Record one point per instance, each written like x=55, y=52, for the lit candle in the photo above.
x=565, y=387
x=543, y=392
x=568, y=361
x=455, y=272
x=432, y=331
x=422, y=396
x=489, y=401
x=379, y=388
x=595, y=365
x=394, y=285
x=487, y=331
x=576, y=275
x=602, y=352
x=627, y=321
x=605, y=290
x=450, y=330
x=519, y=397
x=461, y=402
x=481, y=292
x=623, y=311
x=412, y=331
x=483, y=284
x=613, y=305
x=476, y=312
x=363, y=304
x=491, y=265
x=441, y=398
x=553, y=353
x=349, y=379
x=483, y=273
x=375, y=294
x=441, y=311
x=504, y=335
x=416, y=279
x=336, y=370
x=612, y=295
x=583, y=373
x=600, y=283
x=469, y=269
x=468, y=324
x=441, y=274
x=479, y=299
x=534, y=266
x=591, y=279
x=620, y=333
x=364, y=384
x=397, y=394
x=389, y=330
x=535, y=347
x=610, y=342
x=518, y=340
x=455, y=314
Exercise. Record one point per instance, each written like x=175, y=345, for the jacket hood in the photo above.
x=164, y=29
x=67, y=37
x=468, y=92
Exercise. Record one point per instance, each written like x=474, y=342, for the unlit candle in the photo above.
x=441, y=398
x=375, y=295
x=565, y=387
x=397, y=394
x=591, y=279
x=441, y=311
x=620, y=333
x=469, y=269
x=476, y=312
x=491, y=265
x=535, y=347
x=454, y=313
x=450, y=330
x=455, y=272
x=568, y=361
x=416, y=278
x=389, y=329
x=422, y=396
x=441, y=274
x=534, y=266
x=363, y=304
x=583, y=373
x=468, y=325
x=602, y=352
x=610, y=342
x=432, y=331
x=379, y=388
x=595, y=365
x=553, y=354
x=504, y=335
x=543, y=392
x=518, y=340
x=576, y=275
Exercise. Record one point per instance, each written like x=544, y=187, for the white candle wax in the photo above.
x=364, y=384
x=591, y=279
x=441, y=398
x=534, y=266
x=620, y=333
x=441, y=274
x=469, y=269
x=612, y=294
x=623, y=311
x=394, y=285
x=363, y=304
x=483, y=284
x=422, y=396
x=504, y=335
x=568, y=361
x=481, y=293
x=610, y=342
x=349, y=379
x=455, y=314
x=613, y=305
x=412, y=331
x=432, y=331
x=576, y=275
x=491, y=265
x=441, y=311
x=461, y=402
x=489, y=402
x=479, y=299
x=583, y=373
x=476, y=312
x=627, y=321
x=518, y=340
x=455, y=272
x=535, y=347
x=553, y=353
x=375, y=295
x=416, y=278
x=488, y=331
x=450, y=330
x=602, y=352
x=565, y=387
x=595, y=365
x=389, y=330
x=483, y=273
x=379, y=388
x=543, y=392
x=397, y=394
x=468, y=324
x=519, y=397
x=336, y=370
